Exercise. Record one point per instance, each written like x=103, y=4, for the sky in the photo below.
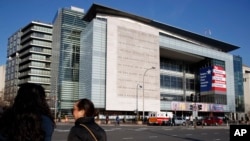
x=224, y=20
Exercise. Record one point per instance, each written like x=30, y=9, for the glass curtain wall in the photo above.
x=68, y=26
x=174, y=81
x=93, y=62
x=238, y=79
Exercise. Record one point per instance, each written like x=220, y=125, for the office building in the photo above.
x=67, y=26
x=29, y=58
x=11, y=74
x=177, y=70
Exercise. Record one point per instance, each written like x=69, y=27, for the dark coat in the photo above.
x=47, y=125
x=80, y=133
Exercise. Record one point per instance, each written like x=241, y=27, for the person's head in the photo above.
x=30, y=97
x=83, y=108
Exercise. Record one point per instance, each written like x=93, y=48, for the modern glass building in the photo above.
x=29, y=58
x=118, y=50
x=67, y=27
x=11, y=75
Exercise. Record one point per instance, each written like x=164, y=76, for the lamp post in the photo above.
x=143, y=91
x=137, y=86
x=55, y=107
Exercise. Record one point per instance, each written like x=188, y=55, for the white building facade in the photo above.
x=118, y=49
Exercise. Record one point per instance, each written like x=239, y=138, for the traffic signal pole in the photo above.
x=196, y=98
x=196, y=113
x=194, y=107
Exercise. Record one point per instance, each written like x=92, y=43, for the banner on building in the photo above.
x=213, y=79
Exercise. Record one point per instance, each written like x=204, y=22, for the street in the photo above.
x=149, y=133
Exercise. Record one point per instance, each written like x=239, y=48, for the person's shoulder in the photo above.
x=46, y=118
x=78, y=129
x=47, y=122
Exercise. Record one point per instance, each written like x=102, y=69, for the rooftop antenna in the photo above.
x=208, y=32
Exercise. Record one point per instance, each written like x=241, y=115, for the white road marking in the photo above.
x=168, y=129
x=109, y=130
x=175, y=135
x=113, y=129
x=140, y=129
x=130, y=138
x=61, y=130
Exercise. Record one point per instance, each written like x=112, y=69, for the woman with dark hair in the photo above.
x=85, y=128
x=29, y=118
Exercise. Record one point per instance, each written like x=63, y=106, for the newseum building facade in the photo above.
x=130, y=63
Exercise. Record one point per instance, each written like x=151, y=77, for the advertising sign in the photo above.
x=213, y=79
x=205, y=79
x=219, y=79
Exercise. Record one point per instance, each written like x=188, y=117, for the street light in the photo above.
x=137, y=86
x=143, y=91
x=55, y=107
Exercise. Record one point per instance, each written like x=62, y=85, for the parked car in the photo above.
x=180, y=121
x=212, y=121
x=176, y=121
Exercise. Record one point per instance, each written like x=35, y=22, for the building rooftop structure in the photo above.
x=95, y=8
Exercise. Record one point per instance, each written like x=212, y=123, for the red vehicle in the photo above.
x=212, y=121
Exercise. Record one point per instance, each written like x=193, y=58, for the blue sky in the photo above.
x=224, y=20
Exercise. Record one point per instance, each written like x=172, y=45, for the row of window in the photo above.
x=42, y=28
x=15, y=37
x=35, y=79
x=42, y=50
x=168, y=64
x=42, y=43
x=211, y=98
x=42, y=35
x=174, y=82
x=41, y=72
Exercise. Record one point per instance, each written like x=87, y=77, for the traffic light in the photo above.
x=199, y=107
x=198, y=97
x=191, y=107
x=192, y=97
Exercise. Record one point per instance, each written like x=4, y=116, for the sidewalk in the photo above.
x=225, y=126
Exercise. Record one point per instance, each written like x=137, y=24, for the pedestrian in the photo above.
x=191, y=119
x=29, y=118
x=124, y=120
x=117, y=120
x=173, y=120
x=107, y=119
x=85, y=128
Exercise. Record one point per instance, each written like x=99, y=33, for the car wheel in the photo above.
x=216, y=124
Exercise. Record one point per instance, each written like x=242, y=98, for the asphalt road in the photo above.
x=153, y=133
